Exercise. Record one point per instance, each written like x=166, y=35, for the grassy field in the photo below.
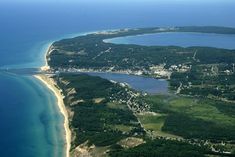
x=154, y=123
x=201, y=109
x=116, y=105
x=190, y=117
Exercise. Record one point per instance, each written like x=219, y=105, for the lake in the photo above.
x=179, y=39
x=140, y=83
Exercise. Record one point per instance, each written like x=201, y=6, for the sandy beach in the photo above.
x=50, y=83
x=48, y=51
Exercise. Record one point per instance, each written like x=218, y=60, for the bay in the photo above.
x=225, y=41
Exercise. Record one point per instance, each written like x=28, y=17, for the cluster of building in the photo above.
x=131, y=98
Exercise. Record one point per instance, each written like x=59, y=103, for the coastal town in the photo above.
x=153, y=116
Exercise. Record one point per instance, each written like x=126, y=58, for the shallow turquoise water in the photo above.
x=30, y=120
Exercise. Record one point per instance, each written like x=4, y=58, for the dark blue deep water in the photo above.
x=30, y=124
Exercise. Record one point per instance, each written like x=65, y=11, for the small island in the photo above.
x=107, y=118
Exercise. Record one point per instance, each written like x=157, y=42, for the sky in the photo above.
x=117, y=1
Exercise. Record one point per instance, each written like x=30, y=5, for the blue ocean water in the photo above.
x=31, y=125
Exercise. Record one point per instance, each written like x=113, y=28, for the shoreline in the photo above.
x=50, y=84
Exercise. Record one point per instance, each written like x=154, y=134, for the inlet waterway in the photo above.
x=140, y=83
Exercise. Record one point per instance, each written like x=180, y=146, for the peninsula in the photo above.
x=107, y=118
